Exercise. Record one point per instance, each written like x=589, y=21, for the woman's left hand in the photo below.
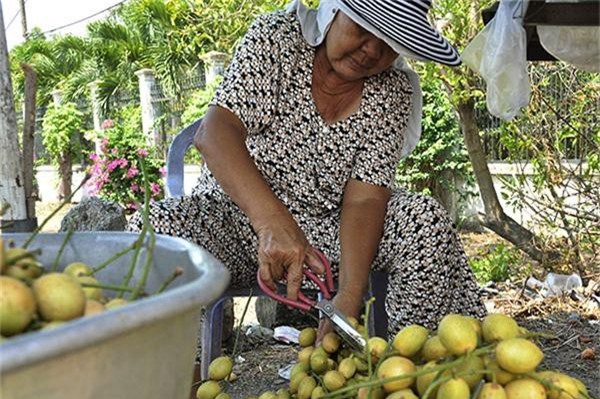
x=347, y=303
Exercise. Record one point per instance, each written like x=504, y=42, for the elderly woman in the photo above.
x=301, y=144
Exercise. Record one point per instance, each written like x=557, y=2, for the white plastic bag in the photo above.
x=499, y=54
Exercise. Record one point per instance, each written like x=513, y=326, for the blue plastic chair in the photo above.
x=211, y=330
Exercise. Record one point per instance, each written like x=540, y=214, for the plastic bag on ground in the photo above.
x=499, y=54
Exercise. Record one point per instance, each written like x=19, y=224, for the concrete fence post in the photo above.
x=214, y=64
x=150, y=111
x=96, y=114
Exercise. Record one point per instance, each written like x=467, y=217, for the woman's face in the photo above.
x=354, y=52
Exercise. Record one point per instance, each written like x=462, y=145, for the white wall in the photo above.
x=47, y=178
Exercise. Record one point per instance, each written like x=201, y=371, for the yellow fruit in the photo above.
x=17, y=306
x=476, y=324
x=268, y=395
x=377, y=347
x=318, y=393
x=525, y=389
x=318, y=364
x=299, y=367
x=361, y=365
x=580, y=387
x=561, y=386
x=373, y=393
x=59, y=297
x=498, y=327
x=78, y=269
x=518, y=355
x=333, y=380
x=470, y=371
x=347, y=367
x=409, y=341
x=94, y=293
x=492, y=391
x=223, y=395
x=457, y=334
x=220, y=368
x=307, y=337
x=455, y=388
x=283, y=394
x=208, y=390
x=295, y=380
x=403, y=394
x=307, y=385
x=116, y=303
x=396, y=366
x=25, y=270
x=433, y=349
x=304, y=354
x=331, y=342
x=502, y=377
x=424, y=380
x=93, y=307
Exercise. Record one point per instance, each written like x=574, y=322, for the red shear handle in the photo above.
x=304, y=303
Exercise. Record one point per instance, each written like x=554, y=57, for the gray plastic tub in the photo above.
x=144, y=350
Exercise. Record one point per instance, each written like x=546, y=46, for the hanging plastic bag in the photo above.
x=499, y=54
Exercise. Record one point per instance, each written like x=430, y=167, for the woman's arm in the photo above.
x=362, y=219
x=283, y=246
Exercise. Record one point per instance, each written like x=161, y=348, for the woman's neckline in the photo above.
x=313, y=104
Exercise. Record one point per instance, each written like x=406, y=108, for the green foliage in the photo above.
x=197, y=104
x=61, y=129
x=496, y=265
x=440, y=160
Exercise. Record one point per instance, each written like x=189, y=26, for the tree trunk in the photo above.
x=28, y=136
x=12, y=191
x=65, y=171
x=495, y=219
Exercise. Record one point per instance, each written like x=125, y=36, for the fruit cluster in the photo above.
x=32, y=299
x=465, y=358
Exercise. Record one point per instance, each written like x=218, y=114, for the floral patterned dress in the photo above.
x=307, y=163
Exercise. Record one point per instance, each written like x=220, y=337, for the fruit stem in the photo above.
x=149, y=258
x=237, y=334
x=176, y=273
x=54, y=212
x=146, y=225
x=60, y=251
x=113, y=258
x=108, y=287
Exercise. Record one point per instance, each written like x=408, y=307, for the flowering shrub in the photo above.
x=116, y=173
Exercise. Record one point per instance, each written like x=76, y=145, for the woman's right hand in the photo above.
x=283, y=251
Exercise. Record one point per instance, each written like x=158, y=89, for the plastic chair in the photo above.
x=211, y=330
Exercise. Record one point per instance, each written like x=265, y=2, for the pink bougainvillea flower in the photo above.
x=114, y=151
x=163, y=171
x=142, y=152
x=112, y=165
x=108, y=124
x=94, y=157
x=123, y=163
x=155, y=187
x=132, y=172
x=135, y=188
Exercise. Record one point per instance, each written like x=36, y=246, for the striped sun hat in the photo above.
x=402, y=23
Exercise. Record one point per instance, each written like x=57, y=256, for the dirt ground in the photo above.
x=573, y=349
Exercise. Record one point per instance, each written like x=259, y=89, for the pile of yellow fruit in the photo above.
x=32, y=299
x=493, y=358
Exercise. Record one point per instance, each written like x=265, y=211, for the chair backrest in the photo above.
x=175, y=158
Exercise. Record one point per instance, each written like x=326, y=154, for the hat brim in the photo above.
x=402, y=25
